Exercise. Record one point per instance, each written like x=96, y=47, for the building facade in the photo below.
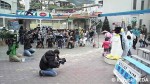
x=114, y=6
x=7, y=7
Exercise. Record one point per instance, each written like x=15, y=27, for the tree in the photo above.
x=36, y=4
x=106, y=25
x=20, y=6
x=98, y=27
x=52, y=6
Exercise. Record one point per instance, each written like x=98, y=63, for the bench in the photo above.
x=138, y=64
x=145, y=52
x=141, y=59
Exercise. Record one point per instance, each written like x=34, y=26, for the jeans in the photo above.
x=49, y=72
x=134, y=43
x=129, y=53
x=28, y=52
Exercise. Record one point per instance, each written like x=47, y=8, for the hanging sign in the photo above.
x=43, y=14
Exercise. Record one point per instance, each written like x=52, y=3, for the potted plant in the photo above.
x=4, y=34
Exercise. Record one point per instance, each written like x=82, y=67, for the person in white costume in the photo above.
x=116, y=43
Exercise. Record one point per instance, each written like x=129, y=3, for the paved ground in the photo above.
x=84, y=65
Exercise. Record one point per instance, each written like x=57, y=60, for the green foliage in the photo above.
x=98, y=27
x=52, y=6
x=4, y=34
x=35, y=5
x=106, y=25
x=69, y=6
x=20, y=6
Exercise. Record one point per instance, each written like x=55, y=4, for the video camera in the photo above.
x=62, y=60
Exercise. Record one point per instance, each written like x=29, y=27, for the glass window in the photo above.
x=142, y=5
x=5, y=5
x=134, y=4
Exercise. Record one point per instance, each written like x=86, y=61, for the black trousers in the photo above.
x=135, y=42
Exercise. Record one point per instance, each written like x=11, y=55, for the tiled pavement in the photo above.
x=84, y=65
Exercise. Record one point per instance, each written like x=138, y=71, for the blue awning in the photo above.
x=24, y=17
x=125, y=13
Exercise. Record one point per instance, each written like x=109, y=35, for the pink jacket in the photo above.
x=106, y=44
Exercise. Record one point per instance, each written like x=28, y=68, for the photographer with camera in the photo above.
x=12, y=48
x=28, y=50
x=49, y=61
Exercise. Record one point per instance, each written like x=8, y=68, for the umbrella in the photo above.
x=104, y=31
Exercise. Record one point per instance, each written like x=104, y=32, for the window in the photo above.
x=142, y=5
x=134, y=4
x=100, y=2
x=5, y=5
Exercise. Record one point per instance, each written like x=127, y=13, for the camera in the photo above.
x=62, y=60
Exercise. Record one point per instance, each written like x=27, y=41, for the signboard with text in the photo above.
x=33, y=13
x=126, y=74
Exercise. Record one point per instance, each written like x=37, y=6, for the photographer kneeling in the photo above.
x=49, y=61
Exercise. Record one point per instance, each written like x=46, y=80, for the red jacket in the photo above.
x=106, y=44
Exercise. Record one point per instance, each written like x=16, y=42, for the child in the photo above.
x=106, y=45
x=49, y=42
x=39, y=44
x=141, y=40
x=130, y=44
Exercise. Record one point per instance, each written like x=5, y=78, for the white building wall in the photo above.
x=113, y=6
x=13, y=4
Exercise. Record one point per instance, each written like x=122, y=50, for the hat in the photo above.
x=117, y=30
x=56, y=51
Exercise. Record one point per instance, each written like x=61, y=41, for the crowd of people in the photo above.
x=131, y=37
x=47, y=37
x=117, y=43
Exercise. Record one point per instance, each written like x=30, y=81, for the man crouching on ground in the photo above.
x=49, y=61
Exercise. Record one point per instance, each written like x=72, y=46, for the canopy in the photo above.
x=24, y=17
x=125, y=13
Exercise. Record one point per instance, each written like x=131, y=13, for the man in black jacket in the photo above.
x=28, y=50
x=49, y=61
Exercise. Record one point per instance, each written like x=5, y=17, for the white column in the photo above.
x=90, y=23
x=27, y=4
x=72, y=25
x=67, y=24
x=4, y=22
x=40, y=23
x=59, y=24
x=36, y=21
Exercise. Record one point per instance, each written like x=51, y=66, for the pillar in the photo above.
x=89, y=22
x=4, y=22
x=72, y=25
x=40, y=23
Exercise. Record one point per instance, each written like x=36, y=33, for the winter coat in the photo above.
x=48, y=60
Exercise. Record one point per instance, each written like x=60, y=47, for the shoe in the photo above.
x=40, y=73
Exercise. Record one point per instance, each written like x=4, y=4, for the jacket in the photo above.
x=48, y=61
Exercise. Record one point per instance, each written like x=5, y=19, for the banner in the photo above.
x=33, y=13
